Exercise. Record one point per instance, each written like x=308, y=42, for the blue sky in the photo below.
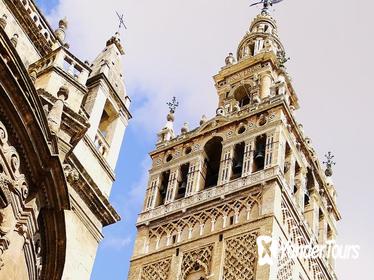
x=175, y=47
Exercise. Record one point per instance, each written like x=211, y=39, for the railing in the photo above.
x=65, y=61
x=101, y=144
x=210, y=194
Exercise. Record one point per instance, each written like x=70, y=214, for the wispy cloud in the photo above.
x=117, y=243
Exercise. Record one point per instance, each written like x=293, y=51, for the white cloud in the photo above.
x=117, y=243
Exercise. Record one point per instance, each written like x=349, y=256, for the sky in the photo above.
x=174, y=47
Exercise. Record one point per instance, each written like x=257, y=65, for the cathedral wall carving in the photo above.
x=240, y=260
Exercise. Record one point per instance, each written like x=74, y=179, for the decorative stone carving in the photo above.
x=156, y=271
x=3, y=21
x=197, y=260
x=14, y=40
x=71, y=174
x=240, y=257
x=230, y=59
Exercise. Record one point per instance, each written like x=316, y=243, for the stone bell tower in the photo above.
x=250, y=171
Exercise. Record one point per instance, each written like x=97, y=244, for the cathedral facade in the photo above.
x=62, y=122
x=247, y=173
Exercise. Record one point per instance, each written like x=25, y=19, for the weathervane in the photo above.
x=121, y=21
x=329, y=163
x=266, y=4
x=173, y=105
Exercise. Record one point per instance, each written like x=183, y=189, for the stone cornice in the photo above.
x=93, y=197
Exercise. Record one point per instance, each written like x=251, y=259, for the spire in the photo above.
x=109, y=63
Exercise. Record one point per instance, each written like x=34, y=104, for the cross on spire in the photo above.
x=266, y=4
x=329, y=163
x=173, y=105
x=121, y=21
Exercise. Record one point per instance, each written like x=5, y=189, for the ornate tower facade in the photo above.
x=248, y=172
x=62, y=123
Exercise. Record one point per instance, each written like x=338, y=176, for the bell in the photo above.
x=183, y=185
x=260, y=152
x=238, y=167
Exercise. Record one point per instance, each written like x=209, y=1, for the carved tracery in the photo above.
x=14, y=211
x=240, y=257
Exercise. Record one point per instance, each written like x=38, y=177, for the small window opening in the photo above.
x=306, y=200
x=243, y=96
x=169, y=158
x=165, y=176
x=231, y=220
x=259, y=155
x=213, y=150
x=188, y=150
x=183, y=182
x=320, y=215
x=237, y=161
x=241, y=130
x=173, y=239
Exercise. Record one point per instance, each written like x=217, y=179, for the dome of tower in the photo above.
x=262, y=37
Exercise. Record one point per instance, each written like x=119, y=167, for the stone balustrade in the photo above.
x=210, y=194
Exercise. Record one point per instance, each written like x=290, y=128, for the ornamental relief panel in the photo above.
x=197, y=263
x=226, y=214
x=240, y=257
x=156, y=271
x=14, y=190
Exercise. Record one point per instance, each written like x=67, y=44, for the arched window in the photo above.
x=242, y=95
x=213, y=150
x=165, y=176
x=237, y=161
x=182, y=184
x=259, y=155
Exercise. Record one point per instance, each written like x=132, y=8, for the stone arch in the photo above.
x=31, y=175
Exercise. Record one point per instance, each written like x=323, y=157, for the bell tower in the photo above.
x=248, y=172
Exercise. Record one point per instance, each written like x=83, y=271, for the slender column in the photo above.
x=248, y=157
x=172, y=185
x=226, y=166
x=269, y=150
x=55, y=114
x=151, y=194
x=265, y=85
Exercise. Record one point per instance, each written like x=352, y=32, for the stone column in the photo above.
x=226, y=165
x=55, y=114
x=265, y=85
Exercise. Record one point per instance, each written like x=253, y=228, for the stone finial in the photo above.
x=3, y=21
x=63, y=23
x=115, y=39
x=230, y=59
x=60, y=32
x=55, y=114
x=203, y=120
x=185, y=128
x=63, y=93
x=14, y=39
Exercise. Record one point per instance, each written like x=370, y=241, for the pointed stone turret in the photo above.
x=107, y=102
x=109, y=63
